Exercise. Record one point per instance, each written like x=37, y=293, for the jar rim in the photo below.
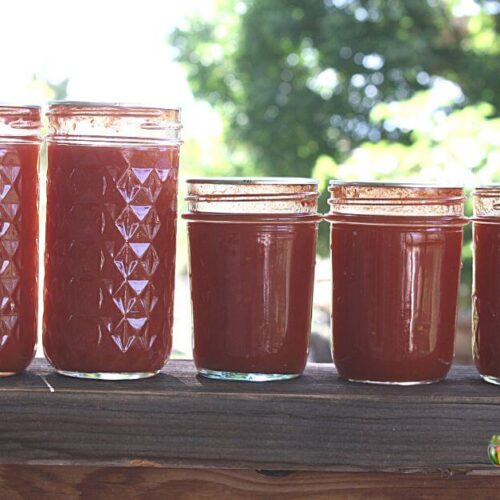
x=82, y=108
x=486, y=203
x=253, y=195
x=391, y=199
x=113, y=123
x=302, y=181
x=20, y=123
x=482, y=187
x=395, y=184
x=7, y=109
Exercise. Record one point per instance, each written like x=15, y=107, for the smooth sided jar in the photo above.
x=252, y=245
x=19, y=149
x=395, y=252
x=486, y=282
x=110, y=238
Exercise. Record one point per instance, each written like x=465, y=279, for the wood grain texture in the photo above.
x=317, y=422
x=70, y=482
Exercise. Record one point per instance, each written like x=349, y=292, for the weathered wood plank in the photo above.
x=317, y=422
x=66, y=482
x=463, y=384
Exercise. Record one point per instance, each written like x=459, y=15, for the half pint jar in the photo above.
x=19, y=148
x=486, y=282
x=396, y=264
x=252, y=248
x=110, y=239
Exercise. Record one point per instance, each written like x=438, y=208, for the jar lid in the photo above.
x=396, y=199
x=100, y=108
x=487, y=202
x=262, y=195
x=22, y=122
x=25, y=109
x=391, y=184
x=272, y=181
x=485, y=189
x=80, y=121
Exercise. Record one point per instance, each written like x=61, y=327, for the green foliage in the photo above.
x=297, y=79
x=59, y=89
x=352, y=88
x=460, y=147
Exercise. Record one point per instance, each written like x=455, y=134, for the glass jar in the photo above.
x=252, y=248
x=110, y=239
x=19, y=149
x=486, y=282
x=396, y=265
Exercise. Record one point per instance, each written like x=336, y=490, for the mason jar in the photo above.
x=486, y=282
x=396, y=258
x=110, y=238
x=20, y=139
x=252, y=244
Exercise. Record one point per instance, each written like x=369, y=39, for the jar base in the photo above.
x=490, y=379
x=108, y=375
x=405, y=383
x=246, y=377
x=7, y=374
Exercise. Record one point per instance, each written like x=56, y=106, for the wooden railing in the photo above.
x=178, y=435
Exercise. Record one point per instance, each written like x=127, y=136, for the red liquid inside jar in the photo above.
x=18, y=255
x=395, y=289
x=110, y=258
x=394, y=300
x=19, y=148
x=252, y=279
x=486, y=289
x=252, y=288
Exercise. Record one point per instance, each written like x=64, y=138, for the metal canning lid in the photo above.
x=14, y=109
x=244, y=187
x=486, y=199
x=254, y=180
x=20, y=121
x=257, y=195
x=396, y=199
x=79, y=122
x=394, y=184
x=485, y=188
x=89, y=107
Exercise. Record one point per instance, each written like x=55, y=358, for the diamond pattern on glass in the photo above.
x=136, y=260
x=10, y=258
x=109, y=256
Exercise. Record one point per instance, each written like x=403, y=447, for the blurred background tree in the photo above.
x=355, y=89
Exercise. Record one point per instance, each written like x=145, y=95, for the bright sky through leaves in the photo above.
x=110, y=51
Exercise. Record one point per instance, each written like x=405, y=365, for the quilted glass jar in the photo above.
x=110, y=239
x=19, y=148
